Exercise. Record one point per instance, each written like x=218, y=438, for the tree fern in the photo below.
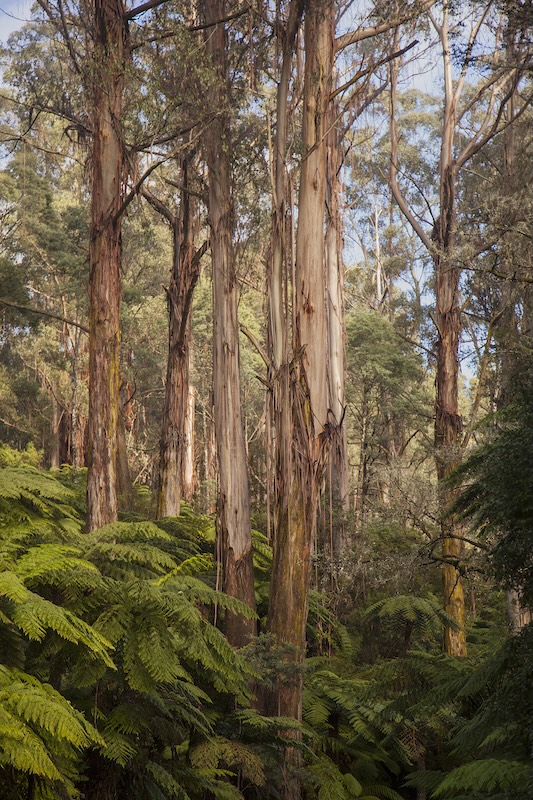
x=486, y=778
x=39, y=727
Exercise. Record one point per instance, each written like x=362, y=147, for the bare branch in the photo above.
x=41, y=312
x=477, y=144
x=367, y=33
x=393, y=171
x=371, y=68
x=129, y=15
x=159, y=206
x=253, y=340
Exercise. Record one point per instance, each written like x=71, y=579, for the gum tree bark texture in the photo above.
x=177, y=426
x=338, y=457
x=296, y=522
x=108, y=176
x=448, y=422
x=442, y=247
x=233, y=507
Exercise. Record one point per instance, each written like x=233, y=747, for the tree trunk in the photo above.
x=298, y=500
x=448, y=429
x=188, y=481
x=335, y=312
x=507, y=330
x=124, y=481
x=448, y=422
x=108, y=177
x=55, y=458
x=175, y=436
x=233, y=508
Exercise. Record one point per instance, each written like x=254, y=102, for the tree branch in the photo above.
x=41, y=312
x=393, y=171
x=367, y=33
x=159, y=206
x=252, y=339
x=371, y=68
x=134, y=12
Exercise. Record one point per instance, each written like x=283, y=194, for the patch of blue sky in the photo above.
x=13, y=15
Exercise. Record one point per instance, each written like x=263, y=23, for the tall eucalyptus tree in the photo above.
x=233, y=508
x=108, y=173
x=447, y=248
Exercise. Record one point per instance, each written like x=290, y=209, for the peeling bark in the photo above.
x=335, y=315
x=442, y=248
x=108, y=178
x=233, y=507
x=306, y=378
x=175, y=433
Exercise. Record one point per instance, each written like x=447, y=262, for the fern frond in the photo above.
x=231, y=753
x=117, y=747
x=485, y=776
x=194, y=565
x=169, y=785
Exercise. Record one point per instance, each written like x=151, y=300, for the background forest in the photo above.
x=266, y=451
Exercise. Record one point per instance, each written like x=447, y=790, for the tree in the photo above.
x=233, y=506
x=176, y=441
x=298, y=494
x=443, y=246
x=108, y=173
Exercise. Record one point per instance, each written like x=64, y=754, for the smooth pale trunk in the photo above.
x=233, y=507
x=104, y=259
x=296, y=528
x=124, y=481
x=187, y=462
x=335, y=314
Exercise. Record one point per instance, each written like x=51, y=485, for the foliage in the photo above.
x=496, y=497
x=114, y=618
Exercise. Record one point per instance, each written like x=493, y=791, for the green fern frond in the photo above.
x=172, y=789
x=381, y=792
x=39, y=704
x=36, y=724
x=486, y=776
x=50, y=561
x=427, y=779
x=36, y=615
x=409, y=608
x=22, y=750
x=194, y=565
x=117, y=747
x=233, y=754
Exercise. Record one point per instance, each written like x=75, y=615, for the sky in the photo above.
x=13, y=14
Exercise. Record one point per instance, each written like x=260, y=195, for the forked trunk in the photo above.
x=233, y=508
x=108, y=176
x=175, y=431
